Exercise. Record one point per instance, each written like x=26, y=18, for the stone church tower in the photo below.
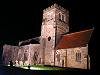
x=54, y=24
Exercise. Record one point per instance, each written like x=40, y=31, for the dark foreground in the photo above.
x=5, y=70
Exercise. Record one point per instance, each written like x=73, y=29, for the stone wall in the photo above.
x=71, y=57
x=23, y=55
x=30, y=54
x=60, y=57
x=62, y=26
x=67, y=57
x=10, y=53
x=35, y=56
x=54, y=28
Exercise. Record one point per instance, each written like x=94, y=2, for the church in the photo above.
x=56, y=46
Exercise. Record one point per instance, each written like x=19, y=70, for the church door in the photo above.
x=62, y=63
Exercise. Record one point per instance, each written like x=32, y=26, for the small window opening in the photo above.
x=49, y=38
x=78, y=57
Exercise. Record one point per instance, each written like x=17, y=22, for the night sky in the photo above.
x=21, y=20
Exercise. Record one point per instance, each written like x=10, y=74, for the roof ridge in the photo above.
x=78, y=32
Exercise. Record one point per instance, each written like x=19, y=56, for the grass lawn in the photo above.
x=36, y=70
x=41, y=67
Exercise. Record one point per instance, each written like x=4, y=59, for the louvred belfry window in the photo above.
x=61, y=17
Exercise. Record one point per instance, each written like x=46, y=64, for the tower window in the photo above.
x=78, y=57
x=61, y=17
x=49, y=38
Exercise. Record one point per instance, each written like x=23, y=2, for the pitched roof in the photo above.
x=76, y=39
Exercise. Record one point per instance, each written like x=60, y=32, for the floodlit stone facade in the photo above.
x=9, y=53
x=55, y=24
x=67, y=57
x=21, y=55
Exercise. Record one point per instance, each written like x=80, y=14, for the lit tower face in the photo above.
x=55, y=23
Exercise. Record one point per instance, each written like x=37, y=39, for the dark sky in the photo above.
x=22, y=20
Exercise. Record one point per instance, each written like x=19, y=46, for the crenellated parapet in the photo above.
x=54, y=6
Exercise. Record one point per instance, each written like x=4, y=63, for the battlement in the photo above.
x=54, y=6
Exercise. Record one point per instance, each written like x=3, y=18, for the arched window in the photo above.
x=59, y=16
x=35, y=57
x=58, y=57
x=62, y=17
x=25, y=57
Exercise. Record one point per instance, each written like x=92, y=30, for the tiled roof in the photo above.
x=76, y=39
